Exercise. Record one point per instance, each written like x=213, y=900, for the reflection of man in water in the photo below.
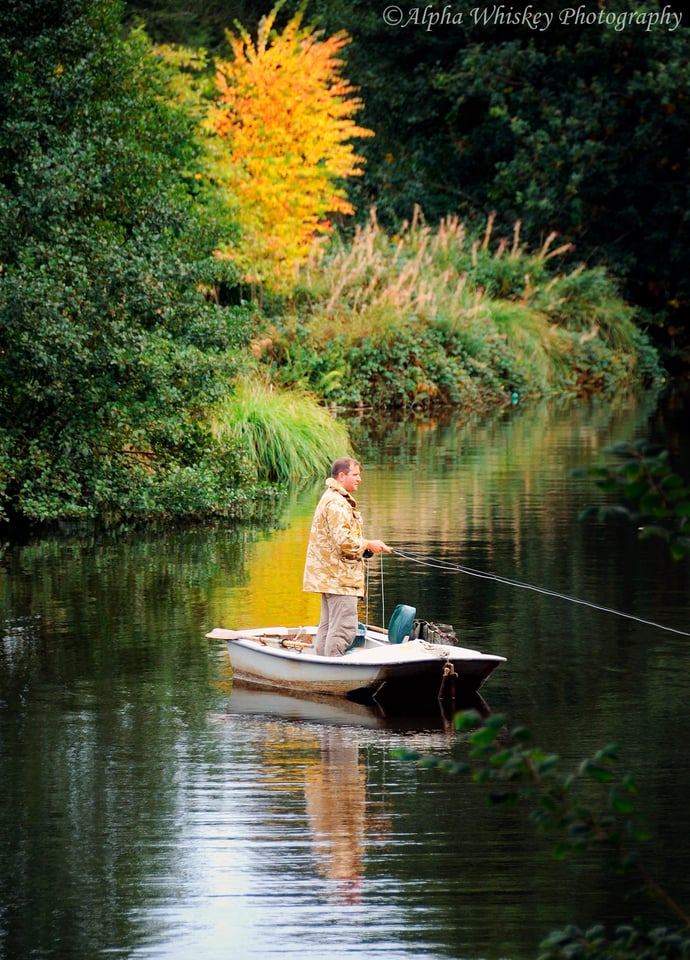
x=336, y=796
x=335, y=559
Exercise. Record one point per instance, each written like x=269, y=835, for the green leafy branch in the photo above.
x=655, y=498
x=513, y=770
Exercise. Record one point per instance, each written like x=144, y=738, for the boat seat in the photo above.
x=360, y=638
x=401, y=623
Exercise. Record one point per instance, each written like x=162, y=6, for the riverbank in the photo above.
x=455, y=317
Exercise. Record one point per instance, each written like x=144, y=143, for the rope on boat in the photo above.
x=449, y=674
x=458, y=568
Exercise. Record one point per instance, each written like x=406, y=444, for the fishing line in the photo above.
x=458, y=568
x=366, y=592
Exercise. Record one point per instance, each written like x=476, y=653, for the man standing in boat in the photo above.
x=335, y=559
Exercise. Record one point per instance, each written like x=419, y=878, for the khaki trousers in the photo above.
x=337, y=626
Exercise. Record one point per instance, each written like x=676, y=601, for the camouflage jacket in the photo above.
x=334, y=561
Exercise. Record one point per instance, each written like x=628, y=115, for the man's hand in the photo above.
x=378, y=546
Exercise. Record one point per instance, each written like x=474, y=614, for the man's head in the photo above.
x=347, y=472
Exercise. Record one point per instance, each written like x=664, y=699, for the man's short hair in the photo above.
x=343, y=465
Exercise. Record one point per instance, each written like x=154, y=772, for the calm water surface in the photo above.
x=151, y=810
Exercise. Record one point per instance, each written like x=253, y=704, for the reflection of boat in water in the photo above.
x=271, y=704
x=387, y=667
x=332, y=711
x=325, y=763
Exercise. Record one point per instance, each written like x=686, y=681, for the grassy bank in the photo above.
x=445, y=316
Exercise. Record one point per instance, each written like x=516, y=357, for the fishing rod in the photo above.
x=482, y=574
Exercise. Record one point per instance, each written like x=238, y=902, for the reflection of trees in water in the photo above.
x=436, y=487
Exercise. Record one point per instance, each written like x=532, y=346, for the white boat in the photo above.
x=381, y=666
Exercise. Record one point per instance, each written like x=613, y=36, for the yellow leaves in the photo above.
x=285, y=115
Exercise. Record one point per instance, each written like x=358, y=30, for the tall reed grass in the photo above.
x=375, y=281
x=287, y=434
x=448, y=303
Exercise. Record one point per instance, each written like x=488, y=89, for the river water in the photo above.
x=149, y=809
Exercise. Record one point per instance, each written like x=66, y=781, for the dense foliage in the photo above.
x=578, y=123
x=453, y=317
x=118, y=349
x=109, y=353
x=195, y=23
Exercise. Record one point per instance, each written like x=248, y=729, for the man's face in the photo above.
x=350, y=480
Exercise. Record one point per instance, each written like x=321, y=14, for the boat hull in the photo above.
x=380, y=672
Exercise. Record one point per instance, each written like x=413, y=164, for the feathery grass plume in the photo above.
x=287, y=433
x=443, y=314
x=588, y=303
x=375, y=283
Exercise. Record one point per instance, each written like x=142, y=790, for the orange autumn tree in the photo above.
x=285, y=117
